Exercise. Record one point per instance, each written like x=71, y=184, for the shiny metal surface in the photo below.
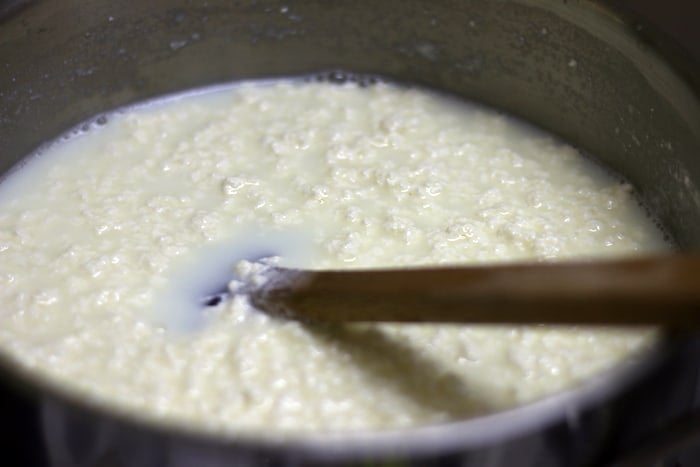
x=575, y=68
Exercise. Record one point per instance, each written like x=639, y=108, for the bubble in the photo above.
x=342, y=77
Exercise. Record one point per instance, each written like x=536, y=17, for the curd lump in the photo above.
x=100, y=231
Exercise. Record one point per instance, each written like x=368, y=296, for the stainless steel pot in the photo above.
x=604, y=83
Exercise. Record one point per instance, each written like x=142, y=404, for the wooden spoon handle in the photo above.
x=656, y=290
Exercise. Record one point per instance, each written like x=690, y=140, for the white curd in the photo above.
x=109, y=239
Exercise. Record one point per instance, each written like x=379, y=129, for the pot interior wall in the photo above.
x=591, y=81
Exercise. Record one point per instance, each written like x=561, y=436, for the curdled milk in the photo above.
x=110, y=239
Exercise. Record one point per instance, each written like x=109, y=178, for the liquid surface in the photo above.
x=109, y=240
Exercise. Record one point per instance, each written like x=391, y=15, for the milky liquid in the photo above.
x=202, y=280
x=110, y=240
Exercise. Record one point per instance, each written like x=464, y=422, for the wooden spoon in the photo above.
x=662, y=290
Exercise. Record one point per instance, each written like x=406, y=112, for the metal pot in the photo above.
x=576, y=68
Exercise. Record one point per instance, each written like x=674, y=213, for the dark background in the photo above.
x=20, y=439
x=678, y=18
